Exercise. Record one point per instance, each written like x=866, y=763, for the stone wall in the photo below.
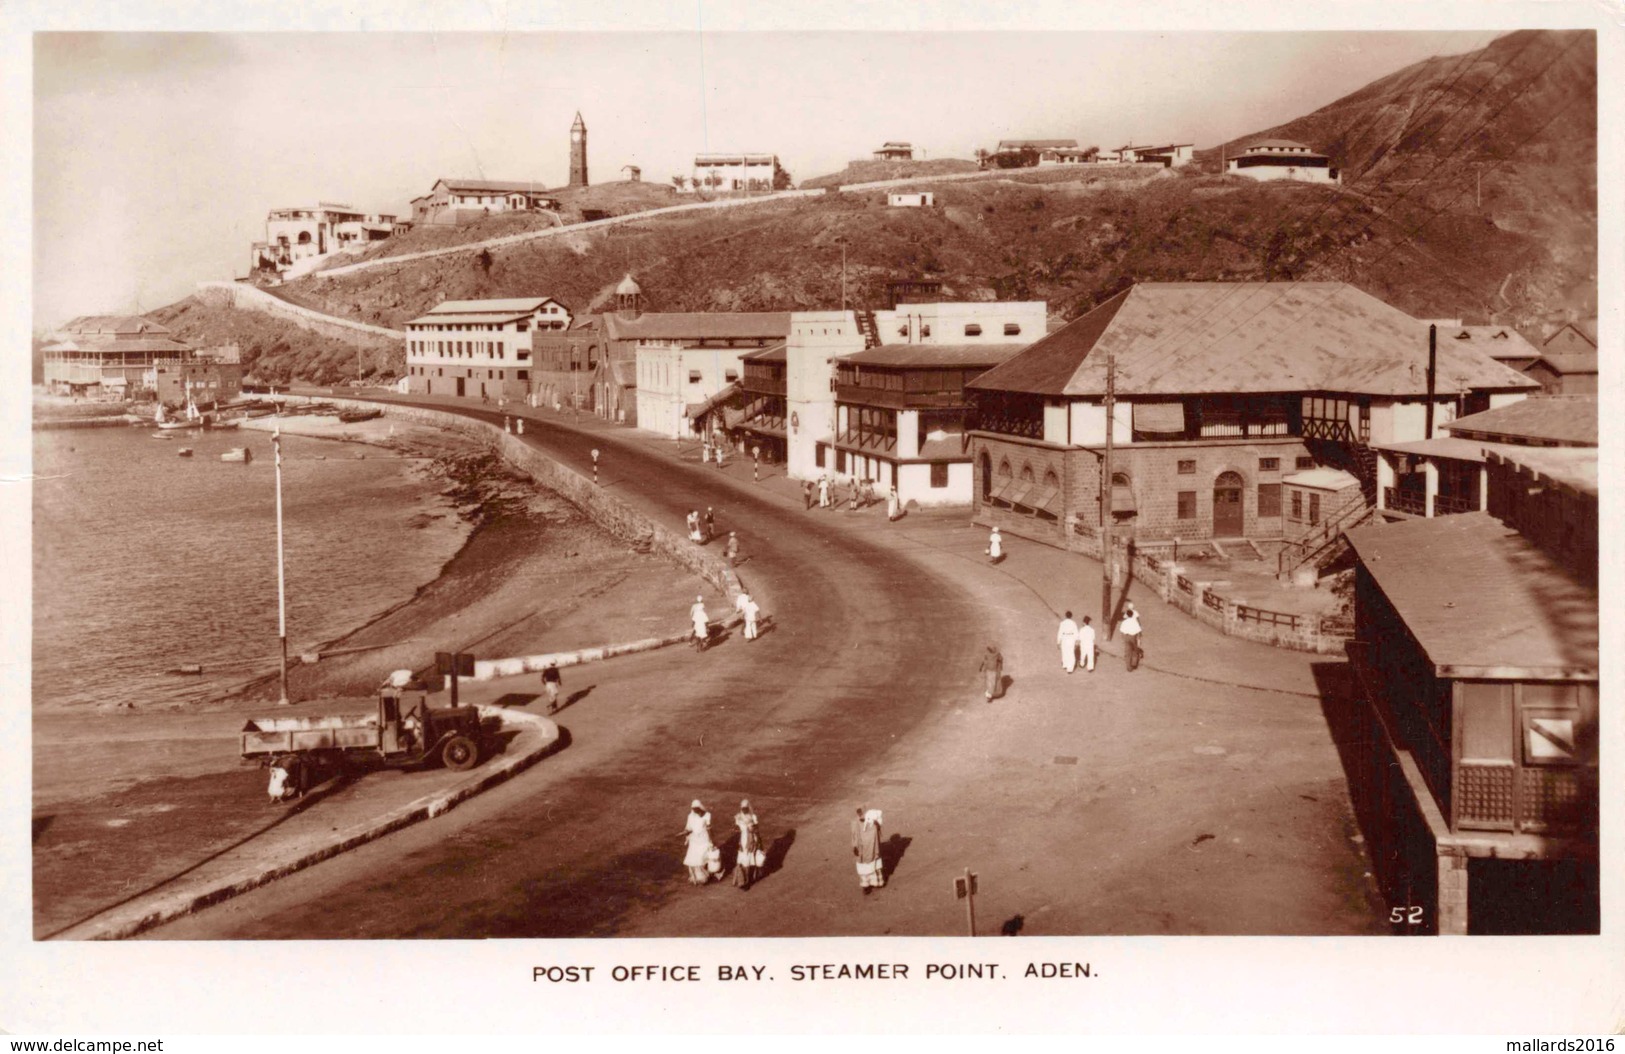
x=247, y=297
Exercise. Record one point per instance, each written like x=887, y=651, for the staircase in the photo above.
x=1326, y=544
x=867, y=327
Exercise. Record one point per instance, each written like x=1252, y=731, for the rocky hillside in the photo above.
x=1407, y=227
x=875, y=171
x=1507, y=133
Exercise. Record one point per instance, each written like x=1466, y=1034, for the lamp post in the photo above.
x=281, y=579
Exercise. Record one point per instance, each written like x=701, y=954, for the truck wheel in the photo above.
x=460, y=754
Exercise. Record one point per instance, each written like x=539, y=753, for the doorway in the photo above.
x=1229, y=520
x=459, y=386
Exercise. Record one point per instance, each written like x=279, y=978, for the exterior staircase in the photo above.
x=1326, y=544
x=867, y=327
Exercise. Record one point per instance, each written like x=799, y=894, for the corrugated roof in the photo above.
x=1498, y=342
x=116, y=325
x=1567, y=362
x=700, y=325
x=1277, y=144
x=1574, y=466
x=934, y=355
x=518, y=305
x=1567, y=419
x=1477, y=594
x=1183, y=338
x=494, y=186
x=776, y=353
x=1439, y=446
x=1321, y=479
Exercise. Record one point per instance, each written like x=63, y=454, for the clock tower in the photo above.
x=578, y=152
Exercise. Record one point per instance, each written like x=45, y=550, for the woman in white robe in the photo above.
x=697, y=835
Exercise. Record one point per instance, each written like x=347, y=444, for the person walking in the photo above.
x=733, y=549
x=702, y=625
x=697, y=838
x=750, y=609
x=1067, y=638
x=1130, y=629
x=551, y=683
x=866, y=848
x=807, y=493
x=992, y=670
x=1086, y=644
x=748, y=865
x=719, y=455
x=710, y=524
x=693, y=521
x=893, y=509
x=823, y=491
x=852, y=498
x=995, y=546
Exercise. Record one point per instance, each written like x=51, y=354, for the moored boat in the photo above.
x=184, y=451
x=238, y=453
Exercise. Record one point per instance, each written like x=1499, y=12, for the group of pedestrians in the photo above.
x=701, y=528
x=704, y=859
x=1077, y=642
x=860, y=493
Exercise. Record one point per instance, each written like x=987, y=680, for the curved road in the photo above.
x=800, y=721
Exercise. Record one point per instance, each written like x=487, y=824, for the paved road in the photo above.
x=867, y=645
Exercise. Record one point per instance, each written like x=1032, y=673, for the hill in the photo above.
x=875, y=171
x=1407, y=227
x=1508, y=132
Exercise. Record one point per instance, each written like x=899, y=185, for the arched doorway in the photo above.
x=1229, y=518
x=987, y=477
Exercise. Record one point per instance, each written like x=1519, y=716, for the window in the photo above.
x=1297, y=507
x=523, y=375
x=694, y=376
x=925, y=331
x=840, y=461
x=972, y=329
x=1314, y=509
x=730, y=375
x=1269, y=499
x=818, y=455
x=1011, y=329
x=1187, y=468
x=1187, y=505
x=939, y=473
x=1269, y=464
x=1305, y=462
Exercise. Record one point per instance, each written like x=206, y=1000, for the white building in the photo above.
x=455, y=201
x=816, y=340
x=1169, y=155
x=725, y=172
x=911, y=199
x=686, y=359
x=296, y=237
x=479, y=348
x=1282, y=159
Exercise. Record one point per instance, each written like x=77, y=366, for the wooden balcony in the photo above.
x=895, y=399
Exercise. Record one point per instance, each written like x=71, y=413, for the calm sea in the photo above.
x=145, y=561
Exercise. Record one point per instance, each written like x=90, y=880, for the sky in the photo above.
x=157, y=155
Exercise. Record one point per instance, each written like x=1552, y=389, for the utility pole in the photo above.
x=1106, y=554
x=843, y=275
x=281, y=584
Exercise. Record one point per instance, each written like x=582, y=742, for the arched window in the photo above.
x=304, y=237
x=1051, y=479
x=987, y=477
x=1026, y=473
x=1004, y=468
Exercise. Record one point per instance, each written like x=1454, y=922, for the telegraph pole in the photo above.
x=281, y=584
x=1106, y=553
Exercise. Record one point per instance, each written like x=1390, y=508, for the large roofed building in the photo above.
x=479, y=348
x=1282, y=159
x=109, y=356
x=1219, y=388
x=453, y=201
x=685, y=360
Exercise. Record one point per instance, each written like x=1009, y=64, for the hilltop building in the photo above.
x=457, y=201
x=729, y=172
x=911, y=199
x=1282, y=159
x=578, y=152
x=1052, y=148
x=895, y=152
x=480, y=349
x=1221, y=389
x=1168, y=155
x=295, y=238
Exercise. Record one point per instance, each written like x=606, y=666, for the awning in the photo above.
x=1001, y=492
x=701, y=409
x=1122, y=499
x=1019, y=492
x=1162, y=418
x=1045, y=500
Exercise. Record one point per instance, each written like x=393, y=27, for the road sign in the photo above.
x=459, y=663
x=965, y=886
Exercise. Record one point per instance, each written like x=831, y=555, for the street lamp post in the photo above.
x=281, y=579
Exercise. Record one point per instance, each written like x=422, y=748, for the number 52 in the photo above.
x=1411, y=916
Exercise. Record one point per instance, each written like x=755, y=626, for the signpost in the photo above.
x=595, y=466
x=454, y=665
x=965, y=889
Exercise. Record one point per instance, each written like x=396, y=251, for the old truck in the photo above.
x=406, y=731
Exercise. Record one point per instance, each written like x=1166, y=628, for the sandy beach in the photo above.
x=124, y=798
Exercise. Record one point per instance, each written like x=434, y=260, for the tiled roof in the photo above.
x=1184, y=338
x=1277, y=144
x=1498, y=342
x=700, y=325
x=116, y=325
x=1567, y=419
x=1476, y=594
x=951, y=355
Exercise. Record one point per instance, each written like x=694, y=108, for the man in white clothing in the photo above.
x=1086, y=644
x=702, y=627
x=1067, y=638
x=1131, y=629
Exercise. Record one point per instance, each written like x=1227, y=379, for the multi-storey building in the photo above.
x=1220, y=390
x=816, y=340
x=726, y=172
x=479, y=349
x=109, y=356
x=295, y=237
x=686, y=359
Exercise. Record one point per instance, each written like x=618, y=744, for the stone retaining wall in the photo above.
x=247, y=297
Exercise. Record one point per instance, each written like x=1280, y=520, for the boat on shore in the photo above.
x=184, y=451
x=238, y=453
x=351, y=417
